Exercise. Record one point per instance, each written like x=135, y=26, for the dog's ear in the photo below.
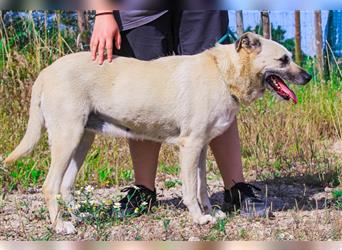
x=248, y=41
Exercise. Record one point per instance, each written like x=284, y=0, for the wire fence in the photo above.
x=282, y=22
x=285, y=21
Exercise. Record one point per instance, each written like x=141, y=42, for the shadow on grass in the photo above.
x=303, y=193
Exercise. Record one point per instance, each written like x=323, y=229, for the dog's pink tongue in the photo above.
x=288, y=91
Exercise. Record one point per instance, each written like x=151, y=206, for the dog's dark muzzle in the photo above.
x=302, y=78
x=299, y=77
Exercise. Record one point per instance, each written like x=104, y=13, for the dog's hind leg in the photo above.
x=190, y=152
x=74, y=166
x=64, y=140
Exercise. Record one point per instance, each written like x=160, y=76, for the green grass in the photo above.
x=169, y=169
x=172, y=183
x=337, y=194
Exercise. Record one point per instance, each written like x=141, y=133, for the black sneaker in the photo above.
x=137, y=201
x=242, y=197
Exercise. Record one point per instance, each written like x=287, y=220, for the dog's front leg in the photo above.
x=202, y=192
x=190, y=152
x=203, y=197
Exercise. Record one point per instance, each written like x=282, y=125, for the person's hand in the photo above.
x=105, y=31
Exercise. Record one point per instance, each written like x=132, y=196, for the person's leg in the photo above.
x=196, y=31
x=145, y=161
x=226, y=150
x=147, y=42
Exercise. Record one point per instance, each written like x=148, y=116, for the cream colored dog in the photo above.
x=183, y=100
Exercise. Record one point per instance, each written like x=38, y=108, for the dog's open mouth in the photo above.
x=280, y=87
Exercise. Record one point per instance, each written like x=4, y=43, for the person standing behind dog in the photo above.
x=150, y=34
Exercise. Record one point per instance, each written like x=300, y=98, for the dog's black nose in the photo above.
x=306, y=77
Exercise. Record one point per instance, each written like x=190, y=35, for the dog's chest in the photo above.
x=223, y=120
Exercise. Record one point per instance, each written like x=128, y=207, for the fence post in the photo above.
x=266, y=24
x=298, y=50
x=59, y=33
x=239, y=22
x=82, y=27
x=81, y=21
x=319, y=43
x=46, y=28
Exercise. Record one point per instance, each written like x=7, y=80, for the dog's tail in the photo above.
x=34, y=127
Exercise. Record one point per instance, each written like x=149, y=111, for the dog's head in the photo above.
x=267, y=64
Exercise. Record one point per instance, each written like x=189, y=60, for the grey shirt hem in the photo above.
x=135, y=18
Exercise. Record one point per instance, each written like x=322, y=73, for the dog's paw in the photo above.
x=218, y=214
x=65, y=227
x=205, y=219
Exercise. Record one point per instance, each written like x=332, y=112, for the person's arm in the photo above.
x=105, y=31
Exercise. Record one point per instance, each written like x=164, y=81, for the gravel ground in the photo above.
x=300, y=213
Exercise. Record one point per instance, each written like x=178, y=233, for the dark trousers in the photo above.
x=174, y=33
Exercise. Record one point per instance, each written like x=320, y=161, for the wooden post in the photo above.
x=239, y=23
x=2, y=27
x=319, y=43
x=81, y=21
x=46, y=28
x=59, y=33
x=82, y=37
x=266, y=24
x=86, y=18
x=298, y=50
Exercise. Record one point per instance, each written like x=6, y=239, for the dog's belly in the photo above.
x=99, y=123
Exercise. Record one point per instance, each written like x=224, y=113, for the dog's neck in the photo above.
x=235, y=71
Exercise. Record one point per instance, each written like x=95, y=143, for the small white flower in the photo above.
x=281, y=236
x=94, y=202
x=89, y=189
x=144, y=203
x=117, y=205
x=136, y=210
x=84, y=215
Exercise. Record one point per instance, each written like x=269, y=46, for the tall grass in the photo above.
x=278, y=139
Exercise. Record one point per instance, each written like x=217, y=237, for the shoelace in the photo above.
x=129, y=189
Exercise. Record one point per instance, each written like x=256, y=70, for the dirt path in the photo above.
x=301, y=213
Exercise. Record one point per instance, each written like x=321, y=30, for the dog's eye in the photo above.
x=284, y=60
